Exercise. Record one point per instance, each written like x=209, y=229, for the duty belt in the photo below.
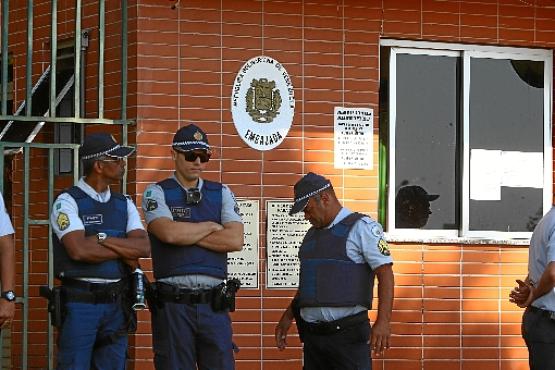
x=545, y=313
x=87, y=292
x=331, y=327
x=174, y=294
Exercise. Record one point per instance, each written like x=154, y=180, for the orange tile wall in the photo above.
x=451, y=309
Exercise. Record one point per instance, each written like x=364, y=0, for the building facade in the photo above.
x=460, y=95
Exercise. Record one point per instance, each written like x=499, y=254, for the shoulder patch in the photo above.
x=383, y=247
x=151, y=204
x=63, y=221
x=377, y=231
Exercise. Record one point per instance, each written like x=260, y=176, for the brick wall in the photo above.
x=451, y=309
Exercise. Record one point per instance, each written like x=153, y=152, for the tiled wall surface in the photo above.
x=451, y=309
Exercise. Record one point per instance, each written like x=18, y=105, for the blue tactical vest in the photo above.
x=172, y=260
x=328, y=277
x=110, y=218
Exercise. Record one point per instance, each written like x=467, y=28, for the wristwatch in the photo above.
x=100, y=237
x=8, y=295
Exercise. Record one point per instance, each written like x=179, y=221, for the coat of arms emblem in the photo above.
x=263, y=100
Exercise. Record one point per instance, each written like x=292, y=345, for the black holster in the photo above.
x=151, y=296
x=223, y=295
x=127, y=303
x=55, y=304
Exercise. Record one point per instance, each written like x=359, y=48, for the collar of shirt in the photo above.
x=101, y=197
x=200, y=182
x=344, y=212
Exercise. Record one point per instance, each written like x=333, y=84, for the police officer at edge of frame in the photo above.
x=537, y=294
x=339, y=257
x=98, y=237
x=193, y=223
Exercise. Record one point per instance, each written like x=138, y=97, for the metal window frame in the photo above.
x=466, y=52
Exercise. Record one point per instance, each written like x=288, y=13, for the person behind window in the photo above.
x=193, y=223
x=7, y=266
x=98, y=239
x=412, y=207
x=537, y=294
x=340, y=256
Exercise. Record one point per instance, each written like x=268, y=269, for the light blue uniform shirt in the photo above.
x=230, y=213
x=6, y=227
x=540, y=254
x=362, y=246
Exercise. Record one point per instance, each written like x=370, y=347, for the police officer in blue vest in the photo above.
x=339, y=257
x=193, y=223
x=98, y=236
x=537, y=294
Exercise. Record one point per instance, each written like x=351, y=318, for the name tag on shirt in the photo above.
x=181, y=212
x=92, y=219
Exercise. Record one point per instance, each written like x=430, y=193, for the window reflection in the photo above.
x=412, y=207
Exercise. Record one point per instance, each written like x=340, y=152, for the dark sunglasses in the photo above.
x=192, y=155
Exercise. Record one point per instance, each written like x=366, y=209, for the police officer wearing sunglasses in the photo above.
x=192, y=223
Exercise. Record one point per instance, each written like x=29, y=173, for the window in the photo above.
x=468, y=133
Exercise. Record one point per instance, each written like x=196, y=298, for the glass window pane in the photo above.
x=506, y=123
x=427, y=106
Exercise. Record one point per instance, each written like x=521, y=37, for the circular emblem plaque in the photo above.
x=262, y=103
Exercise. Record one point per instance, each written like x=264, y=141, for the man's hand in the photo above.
x=522, y=295
x=7, y=311
x=379, y=342
x=281, y=330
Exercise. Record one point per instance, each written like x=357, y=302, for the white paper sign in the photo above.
x=522, y=169
x=285, y=234
x=485, y=174
x=492, y=169
x=243, y=265
x=353, y=137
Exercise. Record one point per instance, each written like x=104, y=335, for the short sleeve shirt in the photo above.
x=6, y=227
x=540, y=254
x=64, y=217
x=365, y=243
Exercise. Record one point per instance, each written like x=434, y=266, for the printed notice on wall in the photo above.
x=243, y=265
x=353, y=138
x=285, y=234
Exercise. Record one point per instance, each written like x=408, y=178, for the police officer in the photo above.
x=98, y=235
x=537, y=294
x=7, y=265
x=339, y=257
x=193, y=223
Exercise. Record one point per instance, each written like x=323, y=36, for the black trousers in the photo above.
x=538, y=331
x=348, y=349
